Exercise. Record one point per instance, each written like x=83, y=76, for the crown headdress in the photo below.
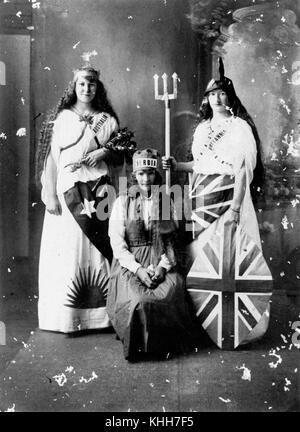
x=146, y=158
x=86, y=70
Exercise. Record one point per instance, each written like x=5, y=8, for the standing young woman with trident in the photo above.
x=228, y=275
x=75, y=165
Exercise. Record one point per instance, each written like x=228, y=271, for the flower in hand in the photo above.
x=74, y=166
x=90, y=159
x=122, y=142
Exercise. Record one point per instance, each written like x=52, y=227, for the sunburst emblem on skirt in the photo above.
x=88, y=290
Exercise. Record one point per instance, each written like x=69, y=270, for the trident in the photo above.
x=166, y=97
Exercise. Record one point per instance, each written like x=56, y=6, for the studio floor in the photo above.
x=51, y=372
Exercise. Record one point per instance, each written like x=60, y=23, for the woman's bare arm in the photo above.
x=51, y=200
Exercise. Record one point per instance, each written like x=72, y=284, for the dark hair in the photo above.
x=100, y=103
x=238, y=110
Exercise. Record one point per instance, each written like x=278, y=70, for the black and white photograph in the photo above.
x=150, y=208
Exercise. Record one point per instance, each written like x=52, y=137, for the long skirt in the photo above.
x=73, y=277
x=229, y=280
x=156, y=321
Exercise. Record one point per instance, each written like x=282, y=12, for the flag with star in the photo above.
x=82, y=202
x=231, y=286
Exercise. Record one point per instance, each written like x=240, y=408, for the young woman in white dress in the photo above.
x=226, y=252
x=75, y=167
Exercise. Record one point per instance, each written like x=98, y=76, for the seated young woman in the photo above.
x=147, y=301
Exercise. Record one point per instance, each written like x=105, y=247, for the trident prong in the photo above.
x=166, y=97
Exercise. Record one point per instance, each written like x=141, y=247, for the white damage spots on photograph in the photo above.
x=149, y=208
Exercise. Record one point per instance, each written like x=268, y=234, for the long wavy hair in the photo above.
x=238, y=110
x=100, y=103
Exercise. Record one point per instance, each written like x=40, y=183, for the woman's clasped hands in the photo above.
x=150, y=277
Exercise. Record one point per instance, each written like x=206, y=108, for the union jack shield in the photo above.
x=230, y=285
x=211, y=196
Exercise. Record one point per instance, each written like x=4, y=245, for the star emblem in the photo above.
x=88, y=208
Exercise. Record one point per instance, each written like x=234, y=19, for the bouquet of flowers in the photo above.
x=121, y=142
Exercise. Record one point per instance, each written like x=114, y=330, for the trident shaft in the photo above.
x=166, y=97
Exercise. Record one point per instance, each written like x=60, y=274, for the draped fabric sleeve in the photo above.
x=244, y=149
x=165, y=263
x=116, y=233
x=246, y=157
x=54, y=152
x=200, y=136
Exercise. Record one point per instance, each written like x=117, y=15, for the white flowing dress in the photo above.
x=235, y=148
x=227, y=266
x=69, y=262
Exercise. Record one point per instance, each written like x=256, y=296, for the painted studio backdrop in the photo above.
x=130, y=41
